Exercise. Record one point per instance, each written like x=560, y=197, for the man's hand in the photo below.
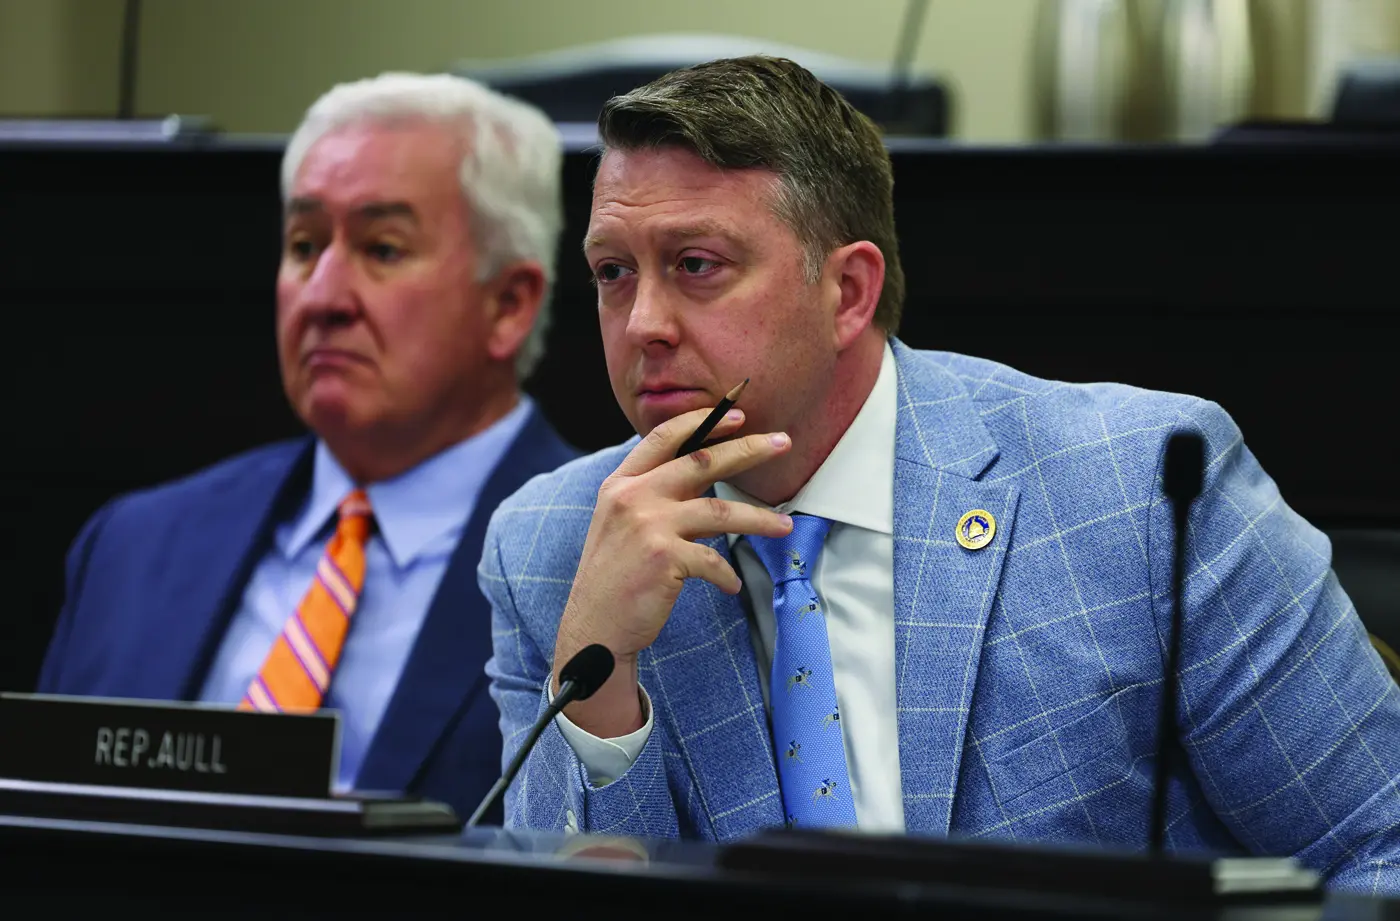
x=641, y=548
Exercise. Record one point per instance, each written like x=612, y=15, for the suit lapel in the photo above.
x=704, y=683
x=942, y=591
x=208, y=557
x=445, y=673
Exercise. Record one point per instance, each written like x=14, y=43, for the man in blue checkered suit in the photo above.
x=989, y=608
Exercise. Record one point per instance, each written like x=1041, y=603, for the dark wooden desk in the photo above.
x=62, y=865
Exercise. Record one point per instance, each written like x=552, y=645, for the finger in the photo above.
x=688, y=476
x=662, y=442
x=701, y=561
x=709, y=516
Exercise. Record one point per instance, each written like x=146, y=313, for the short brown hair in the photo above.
x=770, y=113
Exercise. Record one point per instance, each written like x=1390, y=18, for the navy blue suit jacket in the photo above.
x=155, y=576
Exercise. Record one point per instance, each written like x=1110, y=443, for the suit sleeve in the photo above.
x=75, y=573
x=553, y=791
x=1287, y=714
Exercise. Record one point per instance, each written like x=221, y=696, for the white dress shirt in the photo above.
x=854, y=576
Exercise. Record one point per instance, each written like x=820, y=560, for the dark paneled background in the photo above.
x=138, y=289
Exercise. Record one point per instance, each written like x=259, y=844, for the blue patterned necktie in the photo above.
x=806, y=725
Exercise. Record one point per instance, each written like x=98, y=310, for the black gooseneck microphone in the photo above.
x=578, y=680
x=1183, y=471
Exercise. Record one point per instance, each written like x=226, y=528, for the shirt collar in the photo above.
x=854, y=485
x=418, y=506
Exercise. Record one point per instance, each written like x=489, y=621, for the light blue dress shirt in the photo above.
x=419, y=517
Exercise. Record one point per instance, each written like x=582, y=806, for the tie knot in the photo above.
x=794, y=556
x=355, y=513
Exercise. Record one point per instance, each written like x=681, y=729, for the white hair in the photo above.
x=510, y=173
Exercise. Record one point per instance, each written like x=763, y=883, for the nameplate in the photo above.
x=168, y=746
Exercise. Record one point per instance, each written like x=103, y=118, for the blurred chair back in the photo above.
x=1365, y=114
x=1368, y=95
x=571, y=84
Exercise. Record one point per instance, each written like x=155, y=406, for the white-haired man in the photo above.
x=422, y=218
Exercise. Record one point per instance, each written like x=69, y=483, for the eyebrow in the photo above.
x=372, y=211
x=700, y=228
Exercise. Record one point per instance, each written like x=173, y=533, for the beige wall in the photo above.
x=59, y=57
x=254, y=65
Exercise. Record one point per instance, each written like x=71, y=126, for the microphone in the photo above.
x=1183, y=471
x=578, y=680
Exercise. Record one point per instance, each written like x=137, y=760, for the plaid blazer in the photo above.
x=1029, y=672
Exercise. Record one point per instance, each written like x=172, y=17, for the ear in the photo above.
x=858, y=272
x=518, y=292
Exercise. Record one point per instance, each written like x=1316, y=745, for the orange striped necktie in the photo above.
x=296, y=673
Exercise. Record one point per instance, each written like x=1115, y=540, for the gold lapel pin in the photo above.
x=976, y=529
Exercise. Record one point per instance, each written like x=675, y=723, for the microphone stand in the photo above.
x=583, y=675
x=1183, y=471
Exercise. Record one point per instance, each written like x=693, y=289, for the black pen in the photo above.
x=697, y=438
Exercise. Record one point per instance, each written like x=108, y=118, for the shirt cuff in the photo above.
x=605, y=759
